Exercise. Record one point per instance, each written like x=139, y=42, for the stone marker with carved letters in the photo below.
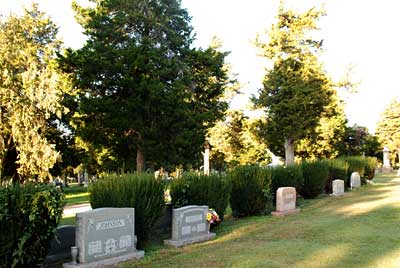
x=189, y=225
x=337, y=188
x=285, y=201
x=105, y=236
x=355, y=180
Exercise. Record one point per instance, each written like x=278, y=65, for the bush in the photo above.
x=370, y=165
x=143, y=192
x=29, y=215
x=315, y=176
x=250, y=190
x=289, y=176
x=338, y=169
x=197, y=189
x=356, y=164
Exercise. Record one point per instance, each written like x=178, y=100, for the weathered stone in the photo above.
x=189, y=225
x=105, y=236
x=285, y=201
x=355, y=180
x=337, y=187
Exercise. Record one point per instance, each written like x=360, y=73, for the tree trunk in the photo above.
x=140, y=166
x=289, y=151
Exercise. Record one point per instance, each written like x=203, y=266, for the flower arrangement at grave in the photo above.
x=212, y=217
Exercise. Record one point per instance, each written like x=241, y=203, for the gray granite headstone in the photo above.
x=355, y=180
x=189, y=225
x=105, y=236
x=337, y=187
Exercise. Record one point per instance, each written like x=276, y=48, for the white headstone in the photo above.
x=285, y=201
x=337, y=187
x=355, y=180
x=105, y=236
x=189, y=225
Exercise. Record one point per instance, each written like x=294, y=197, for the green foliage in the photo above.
x=338, y=170
x=146, y=93
x=296, y=91
x=357, y=141
x=287, y=176
x=356, y=164
x=31, y=89
x=370, y=165
x=29, y=215
x=328, y=136
x=315, y=177
x=140, y=191
x=198, y=189
x=250, y=190
x=388, y=129
x=235, y=142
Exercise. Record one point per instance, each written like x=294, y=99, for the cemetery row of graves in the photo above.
x=30, y=213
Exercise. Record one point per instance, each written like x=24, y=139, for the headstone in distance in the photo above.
x=285, y=201
x=105, y=236
x=189, y=225
x=337, y=188
x=355, y=180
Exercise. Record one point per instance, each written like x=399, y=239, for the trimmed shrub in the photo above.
x=289, y=176
x=250, y=194
x=356, y=164
x=143, y=192
x=198, y=189
x=29, y=215
x=338, y=169
x=315, y=176
x=370, y=165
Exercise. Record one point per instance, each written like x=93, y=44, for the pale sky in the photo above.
x=362, y=33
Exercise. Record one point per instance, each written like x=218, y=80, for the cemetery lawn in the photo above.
x=360, y=229
x=75, y=199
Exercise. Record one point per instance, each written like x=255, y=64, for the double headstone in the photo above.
x=337, y=187
x=189, y=225
x=285, y=201
x=105, y=236
x=355, y=180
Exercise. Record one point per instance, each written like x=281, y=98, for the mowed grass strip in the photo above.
x=360, y=229
x=75, y=199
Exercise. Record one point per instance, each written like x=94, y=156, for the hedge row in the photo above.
x=249, y=189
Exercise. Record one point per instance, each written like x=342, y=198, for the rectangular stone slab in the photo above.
x=105, y=233
x=189, y=225
x=337, y=187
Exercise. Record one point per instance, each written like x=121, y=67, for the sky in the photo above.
x=363, y=34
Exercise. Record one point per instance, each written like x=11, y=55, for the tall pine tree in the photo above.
x=145, y=93
x=296, y=90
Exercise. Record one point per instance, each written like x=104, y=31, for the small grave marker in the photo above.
x=189, y=225
x=355, y=180
x=105, y=236
x=337, y=187
x=285, y=201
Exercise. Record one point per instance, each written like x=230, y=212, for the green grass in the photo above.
x=67, y=221
x=358, y=230
x=75, y=199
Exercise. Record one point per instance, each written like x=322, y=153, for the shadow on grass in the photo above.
x=359, y=229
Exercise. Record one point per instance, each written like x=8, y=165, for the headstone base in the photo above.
x=337, y=195
x=387, y=169
x=285, y=213
x=188, y=241
x=107, y=262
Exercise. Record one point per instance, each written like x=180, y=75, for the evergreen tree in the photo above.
x=145, y=93
x=31, y=88
x=296, y=91
x=388, y=129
